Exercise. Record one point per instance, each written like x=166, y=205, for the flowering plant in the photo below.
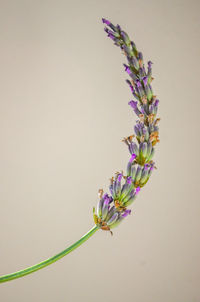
x=113, y=208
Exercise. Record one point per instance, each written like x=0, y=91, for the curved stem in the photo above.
x=48, y=261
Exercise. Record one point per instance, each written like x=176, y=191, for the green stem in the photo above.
x=48, y=261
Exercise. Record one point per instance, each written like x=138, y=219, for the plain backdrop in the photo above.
x=63, y=113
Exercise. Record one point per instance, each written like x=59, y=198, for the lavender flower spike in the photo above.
x=140, y=165
x=124, y=188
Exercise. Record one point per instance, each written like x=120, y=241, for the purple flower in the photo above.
x=145, y=80
x=142, y=110
x=129, y=180
x=129, y=83
x=106, y=198
x=138, y=84
x=131, y=87
x=119, y=178
x=118, y=27
x=133, y=104
x=149, y=64
x=137, y=190
x=126, y=213
x=140, y=56
x=127, y=69
x=133, y=156
x=125, y=37
x=106, y=21
x=110, y=35
x=133, y=148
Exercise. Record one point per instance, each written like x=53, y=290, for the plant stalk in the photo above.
x=36, y=267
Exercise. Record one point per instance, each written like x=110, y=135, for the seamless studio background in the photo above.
x=63, y=113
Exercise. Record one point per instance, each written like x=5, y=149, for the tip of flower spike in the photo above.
x=126, y=213
x=106, y=21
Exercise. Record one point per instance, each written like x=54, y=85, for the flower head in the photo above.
x=113, y=208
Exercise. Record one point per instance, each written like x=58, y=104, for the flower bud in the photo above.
x=144, y=149
x=128, y=51
x=107, y=22
x=113, y=219
x=133, y=148
x=105, y=208
x=125, y=38
x=139, y=88
x=126, y=188
x=111, y=212
x=133, y=46
x=99, y=207
x=149, y=148
x=138, y=174
x=151, y=155
x=130, y=200
x=144, y=175
x=133, y=104
x=117, y=185
x=120, y=219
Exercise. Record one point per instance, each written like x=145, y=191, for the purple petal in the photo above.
x=126, y=213
x=119, y=178
x=142, y=110
x=118, y=27
x=149, y=64
x=129, y=83
x=133, y=156
x=145, y=80
x=127, y=69
x=106, y=198
x=140, y=56
x=106, y=21
x=133, y=104
x=137, y=190
x=111, y=36
x=129, y=180
x=138, y=84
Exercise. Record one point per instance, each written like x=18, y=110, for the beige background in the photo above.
x=63, y=113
